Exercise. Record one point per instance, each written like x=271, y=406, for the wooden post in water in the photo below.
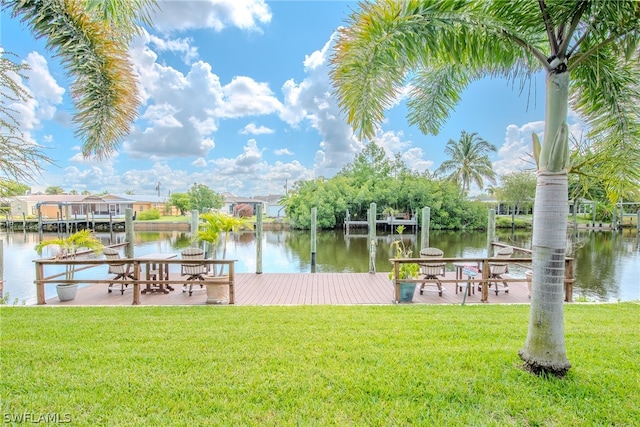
x=347, y=218
x=314, y=213
x=259, y=239
x=426, y=223
x=39, y=223
x=194, y=222
x=371, y=217
x=129, y=233
x=491, y=231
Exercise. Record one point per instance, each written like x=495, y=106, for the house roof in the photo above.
x=59, y=198
x=144, y=198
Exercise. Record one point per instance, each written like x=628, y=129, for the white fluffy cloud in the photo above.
x=249, y=174
x=252, y=129
x=180, y=15
x=44, y=96
x=515, y=153
x=182, y=46
x=246, y=97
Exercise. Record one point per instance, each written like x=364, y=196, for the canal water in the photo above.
x=607, y=264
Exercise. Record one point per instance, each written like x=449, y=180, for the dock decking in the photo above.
x=299, y=289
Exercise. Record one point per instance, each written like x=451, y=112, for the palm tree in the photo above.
x=216, y=223
x=468, y=161
x=91, y=37
x=68, y=248
x=589, y=52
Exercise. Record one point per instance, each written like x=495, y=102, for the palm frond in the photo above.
x=389, y=42
x=104, y=89
x=21, y=159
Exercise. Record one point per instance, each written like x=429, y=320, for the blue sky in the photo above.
x=237, y=97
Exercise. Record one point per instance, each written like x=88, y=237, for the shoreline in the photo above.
x=186, y=226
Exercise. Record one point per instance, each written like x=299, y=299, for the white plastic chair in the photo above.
x=193, y=271
x=431, y=270
x=497, y=269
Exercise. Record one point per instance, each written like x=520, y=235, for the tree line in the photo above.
x=373, y=177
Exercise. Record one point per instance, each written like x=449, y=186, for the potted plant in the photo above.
x=215, y=224
x=405, y=270
x=67, y=249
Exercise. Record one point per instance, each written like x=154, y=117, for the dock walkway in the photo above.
x=299, y=289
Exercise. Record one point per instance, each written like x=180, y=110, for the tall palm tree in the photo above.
x=468, y=161
x=589, y=52
x=91, y=37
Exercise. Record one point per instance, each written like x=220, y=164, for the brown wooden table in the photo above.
x=157, y=269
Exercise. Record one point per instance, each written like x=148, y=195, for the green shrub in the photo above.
x=148, y=215
x=504, y=221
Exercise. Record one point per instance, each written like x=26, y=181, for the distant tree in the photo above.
x=371, y=163
x=518, y=190
x=74, y=192
x=202, y=198
x=181, y=201
x=86, y=192
x=54, y=189
x=130, y=191
x=468, y=161
x=12, y=188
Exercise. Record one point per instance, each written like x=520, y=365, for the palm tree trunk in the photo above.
x=544, y=350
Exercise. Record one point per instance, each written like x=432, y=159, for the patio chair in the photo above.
x=497, y=269
x=431, y=270
x=122, y=271
x=193, y=271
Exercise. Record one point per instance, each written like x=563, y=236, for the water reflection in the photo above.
x=607, y=265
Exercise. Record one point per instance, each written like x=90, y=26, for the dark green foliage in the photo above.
x=391, y=185
x=148, y=215
x=202, y=198
x=10, y=188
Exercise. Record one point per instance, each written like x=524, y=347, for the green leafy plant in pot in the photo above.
x=68, y=248
x=214, y=231
x=405, y=270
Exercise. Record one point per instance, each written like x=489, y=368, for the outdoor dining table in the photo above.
x=471, y=272
x=158, y=270
x=464, y=267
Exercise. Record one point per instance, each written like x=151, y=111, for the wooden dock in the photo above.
x=299, y=289
x=388, y=222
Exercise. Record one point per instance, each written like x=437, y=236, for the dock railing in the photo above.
x=137, y=272
x=482, y=279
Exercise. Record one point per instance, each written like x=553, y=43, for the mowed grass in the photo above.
x=315, y=366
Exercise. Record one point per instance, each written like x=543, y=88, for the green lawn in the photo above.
x=314, y=366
